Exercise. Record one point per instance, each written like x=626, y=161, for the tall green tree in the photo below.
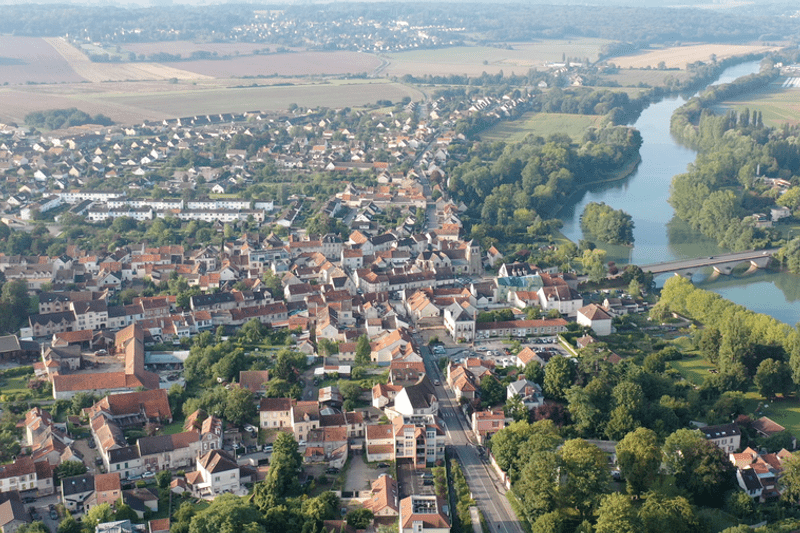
x=639, y=458
x=772, y=378
x=616, y=514
x=699, y=466
x=558, y=377
x=363, y=351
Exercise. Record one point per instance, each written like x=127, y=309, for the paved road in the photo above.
x=682, y=264
x=484, y=484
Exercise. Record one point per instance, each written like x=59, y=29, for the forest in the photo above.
x=723, y=188
x=55, y=119
x=511, y=189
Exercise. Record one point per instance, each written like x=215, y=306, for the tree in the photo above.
x=617, y=515
x=534, y=372
x=289, y=364
x=492, y=392
x=281, y=480
x=552, y=522
x=97, y=515
x=69, y=525
x=239, y=406
x=639, y=458
x=33, y=527
x=363, y=351
x=661, y=513
x=359, y=518
x=558, y=377
x=516, y=409
x=9, y=445
x=584, y=474
x=608, y=225
x=125, y=512
x=81, y=401
x=70, y=468
x=772, y=378
x=790, y=479
x=163, y=478
x=699, y=466
x=228, y=514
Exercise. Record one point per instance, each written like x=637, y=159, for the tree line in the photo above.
x=55, y=119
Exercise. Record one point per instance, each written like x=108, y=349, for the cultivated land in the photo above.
x=185, y=48
x=470, y=59
x=32, y=60
x=104, y=72
x=777, y=104
x=132, y=102
x=289, y=64
x=542, y=124
x=633, y=77
x=680, y=56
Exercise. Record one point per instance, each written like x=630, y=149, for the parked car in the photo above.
x=148, y=475
x=101, y=352
x=332, y=470
x=91, y=443
x=252, y=448
x=427, y=482
x=301, y=443
x=267, y=448
x=28, y=499
x=53, y=514
x=436, y=382
x=383, y=465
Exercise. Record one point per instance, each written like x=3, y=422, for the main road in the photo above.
x=687, y=264
x=485, y=485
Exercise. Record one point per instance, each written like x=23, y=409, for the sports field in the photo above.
x=542, y=124
x=680, y=56
x=777, y=104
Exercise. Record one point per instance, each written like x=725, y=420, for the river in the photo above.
x=658, y=234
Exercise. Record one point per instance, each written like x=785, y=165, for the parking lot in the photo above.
x=495, y=350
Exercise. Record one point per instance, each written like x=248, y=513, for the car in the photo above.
x=28, y=499
x=383, y=465
x=134, y=478
x=98, y=461
x=53, y=514
x=250, y=429
x=34, y=514
x=301, y=443
x=332, y=470
x=101, y=352
x=148, y=475
x=252, y=448
x=427, y=482
x=267, y=448
x=92, y=445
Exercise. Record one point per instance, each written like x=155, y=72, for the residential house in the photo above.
x=217, y=472
x=595, y=317
x=486, y=423
x=423, y=514
x=726, y=437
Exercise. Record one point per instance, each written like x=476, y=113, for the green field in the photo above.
x=633, y=77
x=543, y=124
x=473, y=60
x=778, y=105
x=693, y=370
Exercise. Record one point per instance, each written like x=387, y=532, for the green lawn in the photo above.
x=777, y=104
x=694, y=369
x=175, y=427
x=542, y=124
x=717, y=519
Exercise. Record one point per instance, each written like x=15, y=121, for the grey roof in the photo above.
x=12, y=510
x=123, y=454
x=422, y=394
x=55, y=318
x=723, y=430
x=9, y=343
x=750, y=479
x=77, y=484
x=519, y=385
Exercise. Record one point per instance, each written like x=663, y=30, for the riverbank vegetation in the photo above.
x=729, y=185
x=606, y=224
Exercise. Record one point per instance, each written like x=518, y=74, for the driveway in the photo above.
x=359, y=476
x=89, y=455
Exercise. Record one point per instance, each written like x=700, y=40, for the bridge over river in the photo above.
x=722, y=264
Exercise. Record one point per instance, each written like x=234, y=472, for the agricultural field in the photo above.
x=474, y=60
x=186, y=48
x=105, y=72
x=652, y=78
x=289, y=64
x=542, y=124
x=32, y=60
x=132, y=102
x=680, y=56
x=777, y=104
